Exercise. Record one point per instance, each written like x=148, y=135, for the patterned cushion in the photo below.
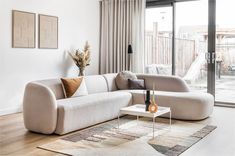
x=74, y=87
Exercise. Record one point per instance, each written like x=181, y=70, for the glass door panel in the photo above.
x=158, y=40
x=191, y=43
x=225, y=51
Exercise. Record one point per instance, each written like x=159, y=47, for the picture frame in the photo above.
x=23, y=29
x=48, y=32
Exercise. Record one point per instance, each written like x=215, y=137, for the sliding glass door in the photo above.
x=191, y=40
x=202, y=51
x=225, y=52
x=189, y=46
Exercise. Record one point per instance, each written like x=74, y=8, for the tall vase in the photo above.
x=147, y=100
x=153, y=107
x=81, y=71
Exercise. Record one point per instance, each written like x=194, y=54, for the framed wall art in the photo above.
x=23, y=29
x=48, y=32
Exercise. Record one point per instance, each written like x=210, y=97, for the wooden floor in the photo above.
x=16, y=140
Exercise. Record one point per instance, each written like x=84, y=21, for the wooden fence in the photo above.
x=158, y=50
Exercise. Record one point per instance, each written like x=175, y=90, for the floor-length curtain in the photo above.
x=122, y=23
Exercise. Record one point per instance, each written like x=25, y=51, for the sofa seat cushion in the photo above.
x=81, y=112
x=184, y=105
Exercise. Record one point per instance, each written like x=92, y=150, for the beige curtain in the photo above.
x=122, y=23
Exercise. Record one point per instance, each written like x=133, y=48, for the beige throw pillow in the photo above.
x=122, y=79
x=74, y=87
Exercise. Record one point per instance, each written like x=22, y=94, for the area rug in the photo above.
x=132, y=138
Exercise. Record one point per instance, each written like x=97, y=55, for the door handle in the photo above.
x=208, y=57
x=213, y=57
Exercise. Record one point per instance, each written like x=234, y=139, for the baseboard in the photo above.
x=224, y=104
x=11, y=110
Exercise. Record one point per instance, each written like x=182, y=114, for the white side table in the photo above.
x=139, y=110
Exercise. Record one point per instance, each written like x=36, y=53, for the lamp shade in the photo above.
x=130, y=51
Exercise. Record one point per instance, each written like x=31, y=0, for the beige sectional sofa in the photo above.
x=47, y=111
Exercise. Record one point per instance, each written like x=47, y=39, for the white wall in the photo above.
x=78, y=22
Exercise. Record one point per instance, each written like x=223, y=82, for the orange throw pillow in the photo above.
x=74, y=87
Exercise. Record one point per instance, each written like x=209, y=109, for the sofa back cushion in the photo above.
x=110, y=79
x=96, y=84
x=164, y=83
x=56, y=87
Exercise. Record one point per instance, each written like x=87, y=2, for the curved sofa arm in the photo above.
x=39, y=108
x=164, y=83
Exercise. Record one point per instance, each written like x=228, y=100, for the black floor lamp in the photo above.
x=130, y=51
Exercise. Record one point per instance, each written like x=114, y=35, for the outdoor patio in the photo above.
x=223, y=88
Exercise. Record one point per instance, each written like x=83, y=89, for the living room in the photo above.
x=117, y=77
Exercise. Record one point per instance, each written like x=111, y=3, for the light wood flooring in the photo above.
x=16, y=140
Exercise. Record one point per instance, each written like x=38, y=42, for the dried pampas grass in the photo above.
x=81, y=58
